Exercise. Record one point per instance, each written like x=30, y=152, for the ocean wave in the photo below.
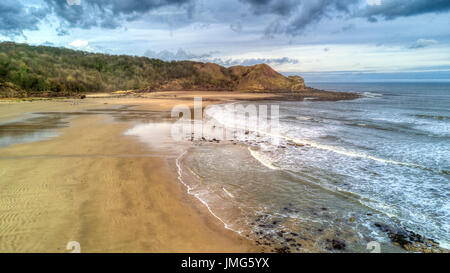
x=306, y=118
x=301, y=118
x=345, y=152
x=228, y=193
x=372, y=95
x=196, y=195
x=334, y=149
x=372, y=126
x=262, y=159
x=433, y=117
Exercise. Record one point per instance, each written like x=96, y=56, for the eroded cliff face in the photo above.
x=257, y=78
x=298, y=83
x=263, y=78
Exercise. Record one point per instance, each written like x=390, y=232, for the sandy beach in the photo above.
x=105, y=190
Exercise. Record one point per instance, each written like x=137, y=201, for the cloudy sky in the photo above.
x=294, y=36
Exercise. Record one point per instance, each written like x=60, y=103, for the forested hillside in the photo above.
x=49, y=71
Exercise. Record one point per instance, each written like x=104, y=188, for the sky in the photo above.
x=404, y=39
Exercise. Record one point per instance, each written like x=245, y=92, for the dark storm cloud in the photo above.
x=282, y=16
x=422, y=43
x=107, y=13
x=15, y=17
x=294, y=15
x=392, y=9
x=281, y=7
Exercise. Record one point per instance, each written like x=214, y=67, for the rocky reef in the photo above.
x=410, y=241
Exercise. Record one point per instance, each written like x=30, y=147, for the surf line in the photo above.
x=189, y=191
x=352, y=154
x=261, y=160
x=228, y=193
x=335, y=150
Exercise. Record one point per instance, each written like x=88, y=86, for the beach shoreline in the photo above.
x=94, y=185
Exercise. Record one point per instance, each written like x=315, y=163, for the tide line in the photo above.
x=189, y=191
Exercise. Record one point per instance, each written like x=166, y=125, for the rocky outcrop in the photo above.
x=298, y=83
x=263, y=78
x=410, y=241
x=257, y=78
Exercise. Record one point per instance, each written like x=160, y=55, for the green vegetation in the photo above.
x=42, y=71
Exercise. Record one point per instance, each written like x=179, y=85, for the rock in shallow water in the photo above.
x=335, y=244
x=410, y=241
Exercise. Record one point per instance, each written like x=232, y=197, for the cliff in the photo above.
x=257, y=78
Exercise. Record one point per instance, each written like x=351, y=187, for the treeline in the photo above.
x=49, y=71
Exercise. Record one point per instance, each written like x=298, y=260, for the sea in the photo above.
x=336, y=170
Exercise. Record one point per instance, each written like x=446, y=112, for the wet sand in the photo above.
x=94, y=185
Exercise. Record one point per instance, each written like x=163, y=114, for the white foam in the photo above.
x=228, y=193
x=334, y=149
x=262, y=159
x=372, y=95
x=196, y=195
